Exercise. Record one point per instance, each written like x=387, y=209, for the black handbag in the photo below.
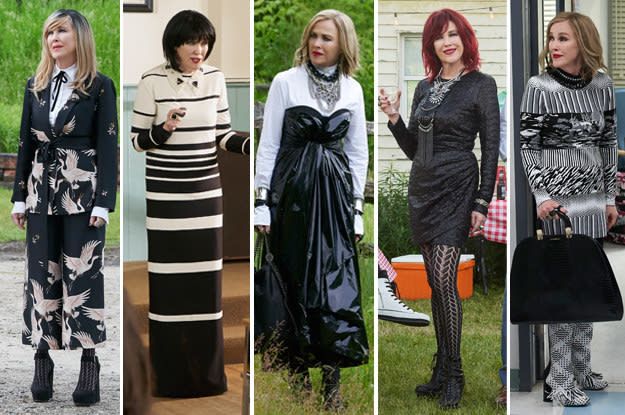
x=562, y=279
x=273, y=321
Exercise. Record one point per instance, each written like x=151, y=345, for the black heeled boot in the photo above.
x=299, y=381
x=435, y=386
x=87, y=390
x=44, y=377
x=452, y=391
x=331, y=379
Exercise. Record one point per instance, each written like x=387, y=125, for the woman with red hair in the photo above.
x=448, y=195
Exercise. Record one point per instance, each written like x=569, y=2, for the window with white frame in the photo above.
x=617, y=43
x=411, y=70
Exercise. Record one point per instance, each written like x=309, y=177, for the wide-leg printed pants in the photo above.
x=569, y=345
x=63, y=293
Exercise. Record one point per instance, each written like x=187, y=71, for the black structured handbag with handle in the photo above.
x=562, y=279
x=273, y=321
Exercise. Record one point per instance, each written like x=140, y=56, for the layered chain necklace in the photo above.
x=427, y=107
x=324, y=88
x=440, y=89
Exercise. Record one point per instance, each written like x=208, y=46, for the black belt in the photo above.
x=48, y=154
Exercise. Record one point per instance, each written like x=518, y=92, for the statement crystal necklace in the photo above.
x=439, y=90
x=324, y=88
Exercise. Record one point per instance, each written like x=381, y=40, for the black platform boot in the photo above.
x=299, y=381
x=331, y=380
x=452, y=391
x=435, y=386
x=44, y=377
x=87, y=390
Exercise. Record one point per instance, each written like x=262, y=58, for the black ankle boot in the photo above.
x=299, y=382
x=454, y=386
x=87, y=390
x=437, y=381
x=44, y=377
x=331, y=379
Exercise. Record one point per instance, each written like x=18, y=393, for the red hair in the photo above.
x=435, y=25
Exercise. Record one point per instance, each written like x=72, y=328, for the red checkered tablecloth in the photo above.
x=495, y=228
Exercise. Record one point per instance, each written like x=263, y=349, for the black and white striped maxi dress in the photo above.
x=184, y=225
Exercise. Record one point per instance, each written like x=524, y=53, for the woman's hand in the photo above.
x=611, y=215
x=359, y=227
x=173, y=118
x=391, y=109
x=19, y=219
x=477, y=221
x=262, y=219
x=544, y=209
x=263, y=229
x=96, y=221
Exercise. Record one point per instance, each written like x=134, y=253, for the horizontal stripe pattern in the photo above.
x=184, y=225
x=185, y=317
x=200, y=222
x=194, y=99
x=184, y=267
x=187, y=196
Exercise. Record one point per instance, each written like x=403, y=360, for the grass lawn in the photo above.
x=10, y=232
x=20, y=51
x=271, y=394
x=405, y=355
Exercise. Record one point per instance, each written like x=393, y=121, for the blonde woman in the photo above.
x=65, y=186
x=568, y=148
x=310, y=175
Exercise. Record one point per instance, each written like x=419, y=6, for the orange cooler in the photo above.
x=412, y=282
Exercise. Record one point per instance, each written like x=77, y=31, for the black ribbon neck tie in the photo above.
x=60, y=79
x=190, y=82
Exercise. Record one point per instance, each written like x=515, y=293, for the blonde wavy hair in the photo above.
x=86, y=70
x=588, y=42
x=349, y=50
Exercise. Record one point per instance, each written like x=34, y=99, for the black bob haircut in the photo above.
x=187, y=26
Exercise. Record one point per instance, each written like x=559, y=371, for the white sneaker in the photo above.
x=391, y=308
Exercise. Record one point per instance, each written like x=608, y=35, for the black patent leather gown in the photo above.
x=312, y=237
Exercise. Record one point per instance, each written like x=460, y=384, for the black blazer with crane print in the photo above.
x=76, y=157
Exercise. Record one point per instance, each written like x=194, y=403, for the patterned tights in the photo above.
x=441, y=265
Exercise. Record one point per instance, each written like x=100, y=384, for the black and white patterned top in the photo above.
x=568, y=145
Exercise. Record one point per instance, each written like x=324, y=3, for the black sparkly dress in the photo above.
x=442, y=193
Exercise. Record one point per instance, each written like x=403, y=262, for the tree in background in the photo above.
x=20, y=51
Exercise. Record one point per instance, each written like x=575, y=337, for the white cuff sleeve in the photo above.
x=101, y=212
x=359, y=227
x=262, y=217
x=19, y=207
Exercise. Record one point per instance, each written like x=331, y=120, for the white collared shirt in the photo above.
x=64, y=93
x=289, y=89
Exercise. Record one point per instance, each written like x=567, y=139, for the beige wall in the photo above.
x=411, y=16
x=142, y=34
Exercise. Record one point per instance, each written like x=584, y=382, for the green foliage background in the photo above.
x=20, y=51
x=278, y=27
